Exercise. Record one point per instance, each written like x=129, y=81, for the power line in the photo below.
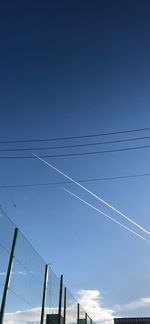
x=78, y=154
x=81, y=180
x=75, y=145
x=91, y=193
x=76, y=137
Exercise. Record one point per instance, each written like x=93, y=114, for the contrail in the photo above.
x=90, y=192
x=101, y=212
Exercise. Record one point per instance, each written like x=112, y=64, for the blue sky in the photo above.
x=71, y=68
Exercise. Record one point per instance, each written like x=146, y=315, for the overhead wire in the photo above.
x=75, y=145
x=92, y=194
x=80, y=153
x=76, y=137
x=80, y=180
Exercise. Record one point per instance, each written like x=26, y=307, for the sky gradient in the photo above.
x=70, y=68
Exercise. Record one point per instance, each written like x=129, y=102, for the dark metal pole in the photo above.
x=85, y=318
x=78, y=313
x=8, y=275
x=60, y=299
x=44, y=293
x=90, y=321
x=65, y=294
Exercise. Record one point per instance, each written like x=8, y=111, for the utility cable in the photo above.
x=79, y=154
x=75, y=145
x=92, y=194
x=81, y=180
x=76, y=137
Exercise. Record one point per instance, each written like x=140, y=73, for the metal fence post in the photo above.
x=44, y=292
x=65, y=294
x=78, y=313
x=60, y=299
x=8, y=275
x=85, y=318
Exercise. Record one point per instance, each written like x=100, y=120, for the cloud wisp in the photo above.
x=21, y=273
x=133, y=305
x=94, y=195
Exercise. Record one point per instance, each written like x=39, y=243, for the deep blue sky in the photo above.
x=71, y=68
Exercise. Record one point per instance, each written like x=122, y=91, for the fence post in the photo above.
x=8, y=275
x=60, y=299
x=44, y=292
x=85, y=318
x=65, y=293
x=78, y=313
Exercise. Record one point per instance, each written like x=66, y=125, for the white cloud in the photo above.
x=33, y=315
x=91, y=301
x=3, y=274
x=26, y=316
x=136, y=304
x=23, y=316
x=22, y=273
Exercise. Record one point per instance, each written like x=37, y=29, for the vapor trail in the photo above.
x=101, y=212
x=90, y=192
